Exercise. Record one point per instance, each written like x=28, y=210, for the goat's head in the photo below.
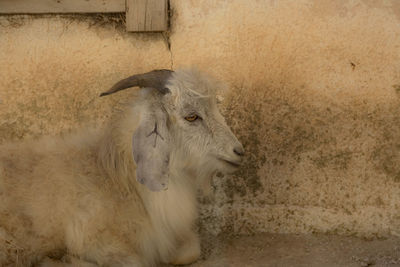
x=180, y=125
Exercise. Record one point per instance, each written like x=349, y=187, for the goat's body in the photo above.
x=56, y=197
x=78, y=196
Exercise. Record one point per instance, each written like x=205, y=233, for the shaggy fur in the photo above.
x=75, y=200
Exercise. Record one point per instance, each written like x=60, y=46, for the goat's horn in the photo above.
x=155, y=79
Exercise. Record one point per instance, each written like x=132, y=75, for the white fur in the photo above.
x=76, y=200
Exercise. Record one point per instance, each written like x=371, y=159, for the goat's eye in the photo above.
x=192, y=117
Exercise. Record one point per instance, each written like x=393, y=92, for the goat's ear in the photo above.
x=151, y=150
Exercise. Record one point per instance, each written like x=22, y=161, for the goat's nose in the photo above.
x=239, y=150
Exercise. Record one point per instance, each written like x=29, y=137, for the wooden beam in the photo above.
x=146, y=15
x=61, y=6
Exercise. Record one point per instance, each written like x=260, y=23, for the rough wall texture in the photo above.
x=54, y=67
x=314, y=97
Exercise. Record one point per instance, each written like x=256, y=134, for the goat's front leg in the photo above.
x=189, y=251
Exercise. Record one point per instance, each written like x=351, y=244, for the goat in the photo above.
x=123, y=196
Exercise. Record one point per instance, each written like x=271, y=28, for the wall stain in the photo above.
x=386, y=153
x=245, y=117
x=339, y=159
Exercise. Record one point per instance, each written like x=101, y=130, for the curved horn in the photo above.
x=155, y=79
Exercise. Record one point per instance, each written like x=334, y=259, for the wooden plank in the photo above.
x=61, y=6
x=146, y=15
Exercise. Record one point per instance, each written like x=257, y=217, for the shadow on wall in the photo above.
x=280, y=135
x=307, y=152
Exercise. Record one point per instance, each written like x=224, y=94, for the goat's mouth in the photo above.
x=235, y=164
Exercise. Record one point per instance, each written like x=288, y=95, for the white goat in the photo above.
x=76, y=200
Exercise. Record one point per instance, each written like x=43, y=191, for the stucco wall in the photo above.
x=314, y=98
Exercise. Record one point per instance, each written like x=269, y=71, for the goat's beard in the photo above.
x=201, y=167
x=205, y=169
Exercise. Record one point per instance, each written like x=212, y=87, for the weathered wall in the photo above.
x=54, y=67
x=314, y=99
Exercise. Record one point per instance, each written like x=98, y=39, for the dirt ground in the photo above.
x=298, y=250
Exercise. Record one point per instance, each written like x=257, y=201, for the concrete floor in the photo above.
x=285, y=250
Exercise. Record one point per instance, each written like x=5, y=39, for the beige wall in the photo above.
x=314, y=98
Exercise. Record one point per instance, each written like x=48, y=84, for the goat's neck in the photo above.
x=175, y=207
